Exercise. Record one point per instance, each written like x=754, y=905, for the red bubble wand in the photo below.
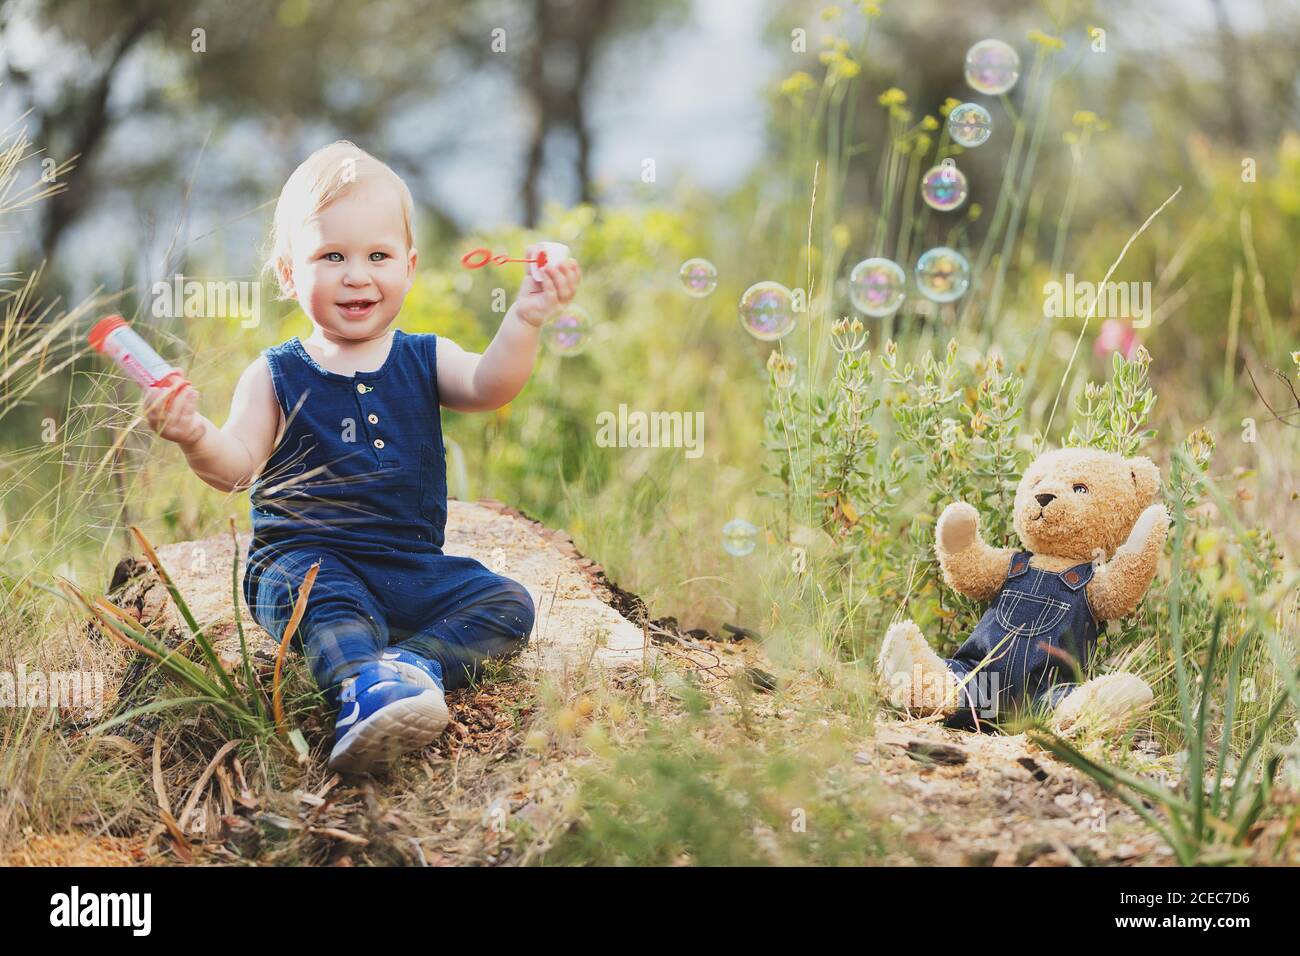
x=478, y=258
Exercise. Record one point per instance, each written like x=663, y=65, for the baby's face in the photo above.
x=351, y=265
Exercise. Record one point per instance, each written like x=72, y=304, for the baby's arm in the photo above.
x=227, y=458
x=469, y=382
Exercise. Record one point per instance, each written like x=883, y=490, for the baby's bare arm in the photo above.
x=229, y=458
x=470, y=382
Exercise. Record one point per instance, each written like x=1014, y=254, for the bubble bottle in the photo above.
x=117, y=340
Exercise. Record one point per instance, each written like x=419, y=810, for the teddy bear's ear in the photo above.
x=1146, y=477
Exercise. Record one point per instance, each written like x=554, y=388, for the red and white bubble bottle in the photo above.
x=123, y=345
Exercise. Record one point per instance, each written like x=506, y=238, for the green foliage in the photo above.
x=1112, y=415
x=1207, y=818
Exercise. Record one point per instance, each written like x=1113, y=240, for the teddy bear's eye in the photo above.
x=1081, y=489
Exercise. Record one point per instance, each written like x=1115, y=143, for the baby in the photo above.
x=339, y=438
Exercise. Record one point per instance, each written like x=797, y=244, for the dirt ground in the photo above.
x=957, y=797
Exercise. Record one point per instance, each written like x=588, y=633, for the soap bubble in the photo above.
x=944, y=186
x=876, y=287
x=699, y=277
x=566, y=332
x=969, y=124
x=992, y=67
x=739, y=537
x=942, y=274
x=767, y=311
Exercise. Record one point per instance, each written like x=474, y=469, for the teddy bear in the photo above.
x=1092, y=529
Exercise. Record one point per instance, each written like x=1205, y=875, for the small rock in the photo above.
x=929, y=752
x=1030, y=764
x=1032, y=851
x=760, y=680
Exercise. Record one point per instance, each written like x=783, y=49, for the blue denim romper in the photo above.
x=358, y=482
x=1048, y=616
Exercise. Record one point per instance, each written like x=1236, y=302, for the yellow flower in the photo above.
x=892, y=97
x=929, y=122
x=840, y=235
x=1085, y=118
x=868, y=8
x=1045, y=41
x=841, y=66
x=900, y=114
x=797, y=84
x=1070, y=136
x=950, y=104
x=923, y=143
x=1295, y=357
x=831, y=13
x=974, y=211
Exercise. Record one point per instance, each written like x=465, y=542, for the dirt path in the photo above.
x=993, y=799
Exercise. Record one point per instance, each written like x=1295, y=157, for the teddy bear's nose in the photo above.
x=1043, y=500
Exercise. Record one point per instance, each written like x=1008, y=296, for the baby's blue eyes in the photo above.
x=331, y=256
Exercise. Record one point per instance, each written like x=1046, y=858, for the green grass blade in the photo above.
x=1196, y=747
x=154, y=707
x=246, y=662
x=199, y=637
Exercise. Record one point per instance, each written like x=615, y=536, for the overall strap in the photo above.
x=1077, y=576
x=1019, y=564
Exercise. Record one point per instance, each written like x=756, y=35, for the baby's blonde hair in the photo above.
x=321, y=178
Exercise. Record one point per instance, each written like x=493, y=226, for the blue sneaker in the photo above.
x=381, y=716
x=415, y=668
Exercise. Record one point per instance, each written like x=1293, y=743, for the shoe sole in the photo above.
x=405, y=725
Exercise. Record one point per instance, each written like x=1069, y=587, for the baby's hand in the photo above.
x=538, y=301
x=174, y=412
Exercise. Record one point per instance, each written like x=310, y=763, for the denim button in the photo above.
x=372, y=418
x=379, y=443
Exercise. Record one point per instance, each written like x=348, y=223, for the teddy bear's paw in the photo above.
x=1103, y=703
x=916, y=678
x=958, y=527
x=1154, y=516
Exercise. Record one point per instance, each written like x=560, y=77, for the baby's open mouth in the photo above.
x=356, y=306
